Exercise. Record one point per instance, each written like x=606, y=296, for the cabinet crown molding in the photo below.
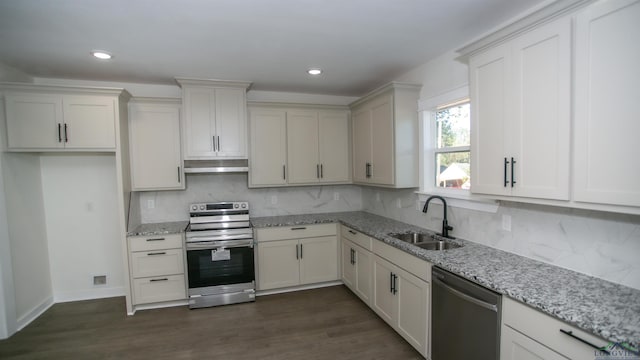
x=382, y=89
x=64, y=89
x=213, y=83
x=549, y=11
x=285, y=105
x=155, y=100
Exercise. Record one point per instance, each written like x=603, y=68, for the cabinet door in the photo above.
x=515, y=346
x=90, y=122
x=361, y=144
x=302, y=147
x=606, y=101
x=382, y=141
x=318, y=259
x=348, y=268
x=413, y=305
x=363, y=259
x=489, y=88
x=268, y=147
x=231, y=123
x=278, y=264
x=384, y=301
x=541, y=118
x=156, y=162
x=333, y=141
x=34, y=121
x=199, y=123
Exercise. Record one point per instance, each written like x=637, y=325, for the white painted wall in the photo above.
x=8, y=322
x=28, y=236
x=80, y=204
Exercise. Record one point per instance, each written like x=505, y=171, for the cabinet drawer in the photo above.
x=157, y=263
x=155, y=242
x=357, y=237
x=161, y=288
x=412, y=264
x=295, y=232
x=546, y=330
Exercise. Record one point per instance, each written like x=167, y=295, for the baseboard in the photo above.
x=99, y=293
x=34, y=313
x=298, y=288
x=159, y=305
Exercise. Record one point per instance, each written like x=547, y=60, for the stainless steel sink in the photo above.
x=413, y=238
x=426, y=241
x=438, y=245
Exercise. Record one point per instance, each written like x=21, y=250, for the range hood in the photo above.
x=215, y=166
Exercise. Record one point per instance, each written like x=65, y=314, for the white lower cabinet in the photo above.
x=529, y=334
x=356, y=269
x=297, y=255
x=402, y=300
x=157, y=268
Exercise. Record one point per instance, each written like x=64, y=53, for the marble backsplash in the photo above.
x=174, y=205
x=600, y=244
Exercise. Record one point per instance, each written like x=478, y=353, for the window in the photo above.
x=452, y=145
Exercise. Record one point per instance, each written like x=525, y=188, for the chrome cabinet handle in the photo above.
x=570, y=333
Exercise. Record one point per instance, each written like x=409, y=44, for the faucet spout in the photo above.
x=445, y=225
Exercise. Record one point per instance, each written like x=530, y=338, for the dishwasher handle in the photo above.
x=471, y=299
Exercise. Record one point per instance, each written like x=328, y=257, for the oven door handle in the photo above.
x=218, y=238
x=219, y=244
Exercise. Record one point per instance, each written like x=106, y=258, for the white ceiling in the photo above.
x=360, y=44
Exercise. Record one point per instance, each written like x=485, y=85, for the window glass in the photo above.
x=452, y=150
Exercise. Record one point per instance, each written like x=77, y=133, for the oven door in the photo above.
x=218, y=263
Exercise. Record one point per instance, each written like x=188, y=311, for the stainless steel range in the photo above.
x=220, y=258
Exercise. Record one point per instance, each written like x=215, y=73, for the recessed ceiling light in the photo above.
x=102, y=55
x=314, y=71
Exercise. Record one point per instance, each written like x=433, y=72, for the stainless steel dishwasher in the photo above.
x=465, y=319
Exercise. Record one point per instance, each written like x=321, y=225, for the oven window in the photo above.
x=204, y=271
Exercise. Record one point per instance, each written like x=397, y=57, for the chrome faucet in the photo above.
x=445, y=225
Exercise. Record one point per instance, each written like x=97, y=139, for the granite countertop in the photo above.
x=174, y=227
x=603, y=308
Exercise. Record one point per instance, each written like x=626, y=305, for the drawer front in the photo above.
x=357, y=237
x=155, y=242
x=412, y=264
x=546, y=330
x=295, y=232
x=160, y=288
x=157, y=262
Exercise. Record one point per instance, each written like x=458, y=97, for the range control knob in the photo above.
x=194, y=207
x=244, y=206
x=201, y=207
x=235, y=206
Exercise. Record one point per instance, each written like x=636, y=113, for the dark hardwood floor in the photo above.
x=327, y=323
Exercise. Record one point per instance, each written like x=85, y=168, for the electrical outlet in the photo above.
x=151, y=204
x=336, y=196
x=274, y=199
x=506, y=222
x=399, y=203
x=418, y=205
x=100, y=280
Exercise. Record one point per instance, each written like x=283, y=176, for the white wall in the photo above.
x=604, y=245
x=80, y=204
x=174, y=205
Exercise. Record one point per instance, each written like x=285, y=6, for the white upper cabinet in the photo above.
x=520, y=121
x=385, y=137
x=268, y=160
x=607, y=125
x=154, y=142
x=299, y=145
x=215, y=122
x=44, y=118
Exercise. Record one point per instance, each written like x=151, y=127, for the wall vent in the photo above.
x=100, y=280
